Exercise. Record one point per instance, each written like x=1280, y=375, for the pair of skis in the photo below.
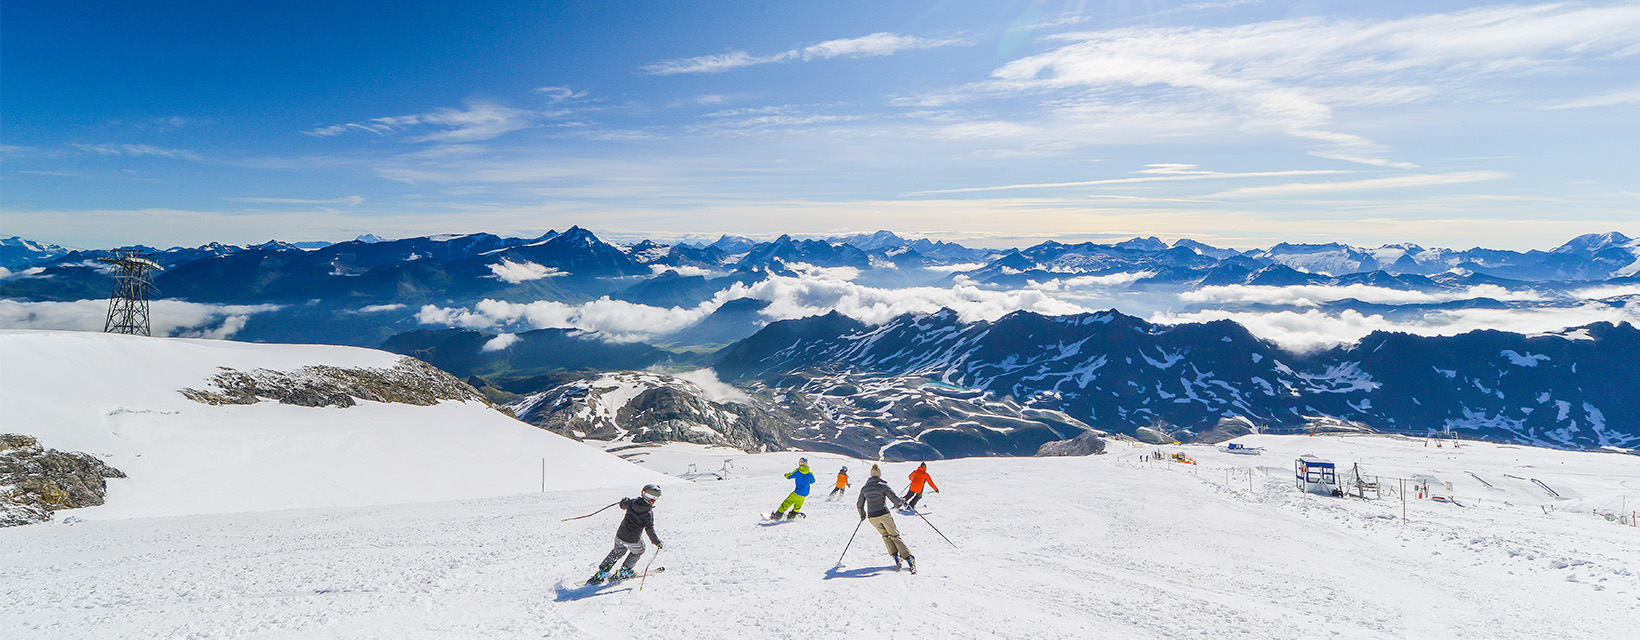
x=611, y=579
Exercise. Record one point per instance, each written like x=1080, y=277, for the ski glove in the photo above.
x=659, y=545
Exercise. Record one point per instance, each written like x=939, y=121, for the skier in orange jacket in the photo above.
x=919, y=477
x=842, y=485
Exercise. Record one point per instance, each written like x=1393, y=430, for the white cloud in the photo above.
x=1086, y=282
x=229, y=326
x=953, y=268
x=821, y=291
x=876, y=44
x=1397, y=182
x=1316, y=295
x=1313, y=329
x=560, y=94
x=1608, y=291
x=802, y=297
x=7, y=274
x=516, y=272
x=381, y=308
x=478, y=121
x=1609, y=99
x=500, y=342
x=807, y=270
x=351, y=201
x=1157, y=173
x=136, y=150
x=1289, y=76
x=166, y=317
x=716, y=389
x=683, y=270
x=788, y=298
x=615, y=319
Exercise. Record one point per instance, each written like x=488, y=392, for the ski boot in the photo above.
x=793, y=515
x=599, y=577
x=911, y=563
x=775, y=516
x=623, y=574
x=896, y=563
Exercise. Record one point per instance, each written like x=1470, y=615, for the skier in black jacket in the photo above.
x=873, y=505
x=640, y=518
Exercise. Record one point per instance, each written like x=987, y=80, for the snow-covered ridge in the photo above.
x=121, y=399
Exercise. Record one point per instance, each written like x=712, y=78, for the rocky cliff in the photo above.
x=35, y=481
x=409, y=381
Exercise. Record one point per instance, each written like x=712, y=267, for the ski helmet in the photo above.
x=844, y=470
x=652, y=491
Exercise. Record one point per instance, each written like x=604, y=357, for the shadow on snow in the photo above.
x=862, y=572
x=582, y=592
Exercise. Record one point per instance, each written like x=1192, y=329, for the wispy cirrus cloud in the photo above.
x=351, y=201
x=774, y=116
x=560, y=94
x=1168, y=172
x=874, y=45
x=1608, y=99
x=134, y=150
x=1371, y=184
x=476, y=122
x=1291, y=77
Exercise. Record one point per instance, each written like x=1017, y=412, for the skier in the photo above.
x=803, y=478
x=640, y=518
x=918, y=477
x=873, y=505
x=842, y=484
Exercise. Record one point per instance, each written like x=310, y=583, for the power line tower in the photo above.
x=128, y=305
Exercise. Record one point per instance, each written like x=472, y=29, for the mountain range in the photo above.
x=1574, y=388
x=319, y=291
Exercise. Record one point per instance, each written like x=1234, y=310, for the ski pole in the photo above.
x=936, y=529
x=590, y=514
x=850, y=541
x=646, y=567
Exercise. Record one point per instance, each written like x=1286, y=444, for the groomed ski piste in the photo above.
x=1113, y=546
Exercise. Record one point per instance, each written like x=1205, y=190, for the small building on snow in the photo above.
x=1315, y=475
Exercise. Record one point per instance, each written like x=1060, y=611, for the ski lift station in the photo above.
x=1315, y=475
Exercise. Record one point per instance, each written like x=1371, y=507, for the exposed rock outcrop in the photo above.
x=1086, y=444
x=410, y=381
x=35, y=481
x=875, y=417
x=641, y=406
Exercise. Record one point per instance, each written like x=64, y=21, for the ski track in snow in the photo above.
x=1105, y=546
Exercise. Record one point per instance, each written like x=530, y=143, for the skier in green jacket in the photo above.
x=803, y=478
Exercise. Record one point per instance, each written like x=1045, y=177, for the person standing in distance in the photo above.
x=873, y=506
x=640, y=518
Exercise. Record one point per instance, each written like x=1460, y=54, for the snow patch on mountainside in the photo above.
x=120, y=398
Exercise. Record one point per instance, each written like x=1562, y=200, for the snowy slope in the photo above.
x=1101, y=547
x=117, y=397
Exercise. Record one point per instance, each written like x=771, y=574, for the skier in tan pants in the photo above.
x=873, y=506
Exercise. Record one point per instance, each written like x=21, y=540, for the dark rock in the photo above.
x=35, y=481
x=410, y=381
x=1086, y=444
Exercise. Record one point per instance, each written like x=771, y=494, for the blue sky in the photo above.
x=1237, y=123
